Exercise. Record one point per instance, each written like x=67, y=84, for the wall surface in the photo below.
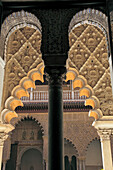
x=2, y=64
x=93, y=155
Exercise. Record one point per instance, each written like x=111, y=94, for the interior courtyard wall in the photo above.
x=93, y=154
x=31, y=159
x=76, y=127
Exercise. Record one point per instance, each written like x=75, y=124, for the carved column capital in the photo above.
x=3, y=137
x=55, y=75
x=45, y=137
x=5, y=130
x=81, y=158
x=104, y=134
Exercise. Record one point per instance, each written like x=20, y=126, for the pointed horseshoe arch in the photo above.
x=21, y=90
x=85, y=65
x=85, y=90
x=15, y=26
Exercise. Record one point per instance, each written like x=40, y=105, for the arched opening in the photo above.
x=66, y=163
x=27, y=136
x=89, y=52
x=93, y=156
x=31, y=160
x=71, y=154
x=73, y=163
x=23, y=57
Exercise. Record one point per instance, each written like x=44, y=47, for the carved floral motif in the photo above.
x=103, y=91
x=22, y=54
x=91, y=37
x=104, y=134
x=78, y=54
x=92, y=70
x=89, y=55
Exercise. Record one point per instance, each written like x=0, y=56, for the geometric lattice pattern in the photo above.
x=22, y=55
x=88, y=54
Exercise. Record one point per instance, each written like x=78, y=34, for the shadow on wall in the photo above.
x=93, y=156
x=31, y=159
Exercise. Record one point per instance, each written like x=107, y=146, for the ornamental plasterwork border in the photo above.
x=16, y=121
x=14, y=29
x=92, y=17
x=15, y=21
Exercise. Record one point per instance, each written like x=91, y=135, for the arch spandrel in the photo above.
x=79, y=139
x=95, y=17
x=15, y=21
x=88, y=54
x=21, y=33
x=103, y=91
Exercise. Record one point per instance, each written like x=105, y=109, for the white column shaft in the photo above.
x=45, y=150
x=106, y=154
x=84, y=165
x=1, y=152
x=80, y=164
x=4, y=165
x=2, y=64
x=46, y=165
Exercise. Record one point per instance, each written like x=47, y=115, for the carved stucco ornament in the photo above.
x=85, y=31
x=15, y=21
x=21, y=33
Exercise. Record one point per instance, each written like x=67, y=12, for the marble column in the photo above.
x=106, y=149
x=81, y=163
x=70, y=159
x=55, y=118
x=4, y=165
x=1, y=152
x=45, y=152
x=2, y=64
x=4, y=130
x=3, y=137
x=18, y=167
x=31, y=94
